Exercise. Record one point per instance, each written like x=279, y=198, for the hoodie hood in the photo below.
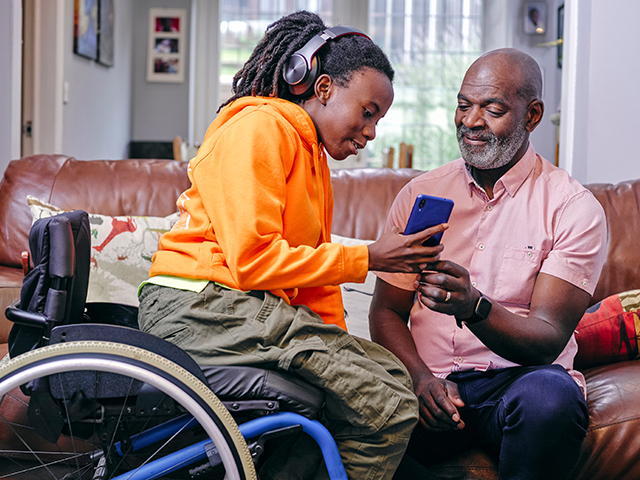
x=293, y=113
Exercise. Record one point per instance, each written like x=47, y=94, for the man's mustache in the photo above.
x=485, y=136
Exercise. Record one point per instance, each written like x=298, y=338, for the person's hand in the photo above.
x=395, y=252
x=445, y=287
x=439, y=401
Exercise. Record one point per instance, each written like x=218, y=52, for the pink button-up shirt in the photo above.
x=540, y=220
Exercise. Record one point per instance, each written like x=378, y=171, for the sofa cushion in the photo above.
x=121, y=251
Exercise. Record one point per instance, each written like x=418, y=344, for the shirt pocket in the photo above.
x=518, y=272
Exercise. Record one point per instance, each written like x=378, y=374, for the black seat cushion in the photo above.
x=251, y=383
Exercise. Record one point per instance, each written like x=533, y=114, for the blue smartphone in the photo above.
x=428, y=212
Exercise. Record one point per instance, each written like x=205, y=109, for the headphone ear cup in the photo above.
x=305, y=87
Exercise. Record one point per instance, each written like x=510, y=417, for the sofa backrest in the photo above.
x=109, y=187
x=621, y=203
x=362, y=198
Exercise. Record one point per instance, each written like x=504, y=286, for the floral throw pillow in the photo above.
x=121, y=251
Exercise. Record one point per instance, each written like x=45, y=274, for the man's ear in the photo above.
x=323, y=88
x=535, y=110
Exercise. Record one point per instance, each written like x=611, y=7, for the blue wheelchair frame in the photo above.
x=253, y=428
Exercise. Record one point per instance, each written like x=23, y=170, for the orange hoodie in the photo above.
x=258, y=213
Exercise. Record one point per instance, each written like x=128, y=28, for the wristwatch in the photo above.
x=481, y=312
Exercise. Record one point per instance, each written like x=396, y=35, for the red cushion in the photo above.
x=608, y=331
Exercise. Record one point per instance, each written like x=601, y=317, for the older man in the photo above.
x=490, y=346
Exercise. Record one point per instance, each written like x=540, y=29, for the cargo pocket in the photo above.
x=355, y=391
x=162, y=313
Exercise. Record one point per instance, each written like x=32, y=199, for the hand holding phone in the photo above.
x=428, y=212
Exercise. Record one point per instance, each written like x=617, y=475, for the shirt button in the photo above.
x=481, y=246
x=529, y=254
x=473, y=284
x=584, y=283
x=489, y=207
x=458, y=360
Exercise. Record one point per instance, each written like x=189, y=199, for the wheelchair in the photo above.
x=86, y=395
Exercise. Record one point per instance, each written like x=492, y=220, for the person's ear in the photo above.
x=323, y=88
x=535, y=110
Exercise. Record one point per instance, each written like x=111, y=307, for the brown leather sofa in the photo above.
x=362, y=198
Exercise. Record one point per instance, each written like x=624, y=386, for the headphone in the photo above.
x=303, y=68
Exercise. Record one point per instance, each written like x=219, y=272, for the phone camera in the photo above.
x=422, y=202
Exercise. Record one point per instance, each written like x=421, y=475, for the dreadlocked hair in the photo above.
x=261, y=75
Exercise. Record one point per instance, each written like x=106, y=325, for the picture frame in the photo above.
x=106, y=19
x=166, y=50
x=85, y=28
x=535, y=18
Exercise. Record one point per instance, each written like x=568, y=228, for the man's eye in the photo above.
x=462, y=107
x=367, y=113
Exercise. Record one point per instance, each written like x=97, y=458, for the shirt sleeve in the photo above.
x=249, y=170
x=581, y=243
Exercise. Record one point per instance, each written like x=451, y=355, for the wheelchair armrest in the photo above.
x=23, y=317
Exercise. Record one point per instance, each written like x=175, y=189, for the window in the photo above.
x=431, y=43
x=242, y=26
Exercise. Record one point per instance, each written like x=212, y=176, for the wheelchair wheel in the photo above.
x=160, y=422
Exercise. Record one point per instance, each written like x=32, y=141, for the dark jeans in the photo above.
x=531, y=419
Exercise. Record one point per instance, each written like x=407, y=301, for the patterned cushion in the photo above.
x=122, y=248
x=608, y=332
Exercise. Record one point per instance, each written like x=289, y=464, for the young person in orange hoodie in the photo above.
x=248, y=275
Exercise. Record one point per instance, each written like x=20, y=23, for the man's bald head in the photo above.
x=516, y=66
x=499, y=105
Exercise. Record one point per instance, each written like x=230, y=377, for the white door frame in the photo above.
x=44, y=89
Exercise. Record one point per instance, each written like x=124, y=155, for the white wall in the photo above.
x=10, y=77
x=97, y=117
x=160, y=111
x=604, y=116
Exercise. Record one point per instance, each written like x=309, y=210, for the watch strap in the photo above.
x=479, y=313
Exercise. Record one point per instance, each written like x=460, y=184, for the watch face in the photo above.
x=483, y=308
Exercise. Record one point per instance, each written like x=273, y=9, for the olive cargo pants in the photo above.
x=370, y=407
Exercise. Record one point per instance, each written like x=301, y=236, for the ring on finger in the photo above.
x=448, y=297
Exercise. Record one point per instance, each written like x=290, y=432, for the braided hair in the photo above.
x=261, y=75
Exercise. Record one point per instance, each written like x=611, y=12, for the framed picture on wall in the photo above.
x=105, y=33
x=85, y=28
x=166, y=51
x=535, y=18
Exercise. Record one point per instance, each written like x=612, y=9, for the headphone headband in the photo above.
x=303, y=68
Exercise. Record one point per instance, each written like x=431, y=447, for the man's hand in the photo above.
x=445, y=287
x=395, y=252
x=439, y=402
x=537, y=339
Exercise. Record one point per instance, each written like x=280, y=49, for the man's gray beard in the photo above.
x=496, y=152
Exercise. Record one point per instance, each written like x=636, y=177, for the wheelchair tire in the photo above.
x=74, y=455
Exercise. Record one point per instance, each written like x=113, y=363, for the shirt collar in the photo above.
x=514, y=178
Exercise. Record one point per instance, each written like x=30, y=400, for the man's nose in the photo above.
x=473, y=118
x=369, y=132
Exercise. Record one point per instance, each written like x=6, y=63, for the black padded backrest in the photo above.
x=54, y=292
